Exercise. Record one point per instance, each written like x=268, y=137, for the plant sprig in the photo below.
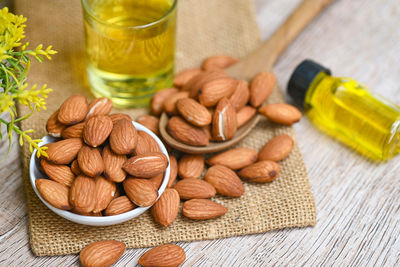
x=15, y=61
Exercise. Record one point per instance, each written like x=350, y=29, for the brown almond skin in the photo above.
x=214, y=91
x=281, y=113
x=101, y=253
x=186, y=133
x=241, y=95
x=197, y=82
x=140, y=191
x=90, y=161
x=170, y=102
x=123, y=137
x=150, y=122
x=99, y=106
x=191, y=166
x=64, y=151
x=59, y=173
x=96, y=130
x=225, y=181
x=202, y=209
x=235, y=158
x=82, y=194
x=157, y=102
x=146, y=165
x=168, y=255
x=224, y=121
x=185, y=76
x=244, y=115
x=261, y=87
x=74, y=131
x=113, y=165
x=261, y=172
x=119, y=205
x=105, y=191
x=73, y=110
x=166, y=208
x=218, y=62
x=193, y=112
x=54, y=193
x=191, y=188
x=53, y=126
x=146, y=144
x=75, y=167
x=157, y=180
x=173, y=166
x=119, y=116
x=277, y=148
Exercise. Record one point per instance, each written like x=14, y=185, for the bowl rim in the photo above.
x=93, y=220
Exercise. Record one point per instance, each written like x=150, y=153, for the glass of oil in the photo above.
x=130, y=48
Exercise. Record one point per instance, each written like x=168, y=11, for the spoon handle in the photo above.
x=268, y=53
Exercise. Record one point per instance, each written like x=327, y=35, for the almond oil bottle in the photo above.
x=347, y=110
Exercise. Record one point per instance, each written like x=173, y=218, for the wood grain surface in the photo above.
x=358, y=202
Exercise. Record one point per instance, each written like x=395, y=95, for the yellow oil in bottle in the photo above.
x=130, y=48
x=348, y=111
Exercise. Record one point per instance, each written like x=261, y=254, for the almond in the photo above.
x=186, y=133
x=194, y=188
x=218, y=62
x=170, y=102
x=82, y=194
x=214, y=91
x=54, y=193
x=105, y=191
x=99, y=106
x=173, y=173
x=96, y=130
x=185, y=76
x=191, y=166
x=168, y=255
x=261, y=172
x=261, y=87
x=75, y=167
x=277, y=148
x=119, y=205
x=197, y=82
x=193, y=112
x=90, y=161
x=166, y=208
x=73, y=110
x=240, y=96
x=157, y=102
x=113, y=165
x=119, y=116
x=244, y=115
x=123, y=137
x=146, y=144
x=140, y=191
x=59, y=173
x=157, y=180
x=146, y=165
x=93, y=214
x=281, y=113
x=235, y=158
x=150, y=122
x=101, y=253
x=74, y=131
x=225, y=181
x=224, y=121
x=53, y=126
x=64, y=151
x=202, y=209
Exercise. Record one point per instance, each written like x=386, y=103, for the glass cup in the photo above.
x=130, y=48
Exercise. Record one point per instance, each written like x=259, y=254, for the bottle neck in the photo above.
x=313, y=86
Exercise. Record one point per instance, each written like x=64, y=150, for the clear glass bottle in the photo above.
x=347, y=110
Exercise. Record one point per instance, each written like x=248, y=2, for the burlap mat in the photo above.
x=205, y=28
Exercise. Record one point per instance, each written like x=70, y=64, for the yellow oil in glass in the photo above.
x=348, y=111
x=130, y=48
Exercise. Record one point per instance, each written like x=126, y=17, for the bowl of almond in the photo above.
x=101, y=169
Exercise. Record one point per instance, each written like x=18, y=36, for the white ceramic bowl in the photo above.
x=35, y=173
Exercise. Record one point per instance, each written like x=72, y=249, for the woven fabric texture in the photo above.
x=205, y=28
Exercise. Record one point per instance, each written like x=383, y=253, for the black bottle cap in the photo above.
x=302, y=78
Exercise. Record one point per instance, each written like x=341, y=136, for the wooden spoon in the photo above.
x=260, y=59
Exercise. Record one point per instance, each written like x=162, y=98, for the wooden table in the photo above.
x=358, y=202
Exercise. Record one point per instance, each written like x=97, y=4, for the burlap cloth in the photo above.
x=205, y=28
